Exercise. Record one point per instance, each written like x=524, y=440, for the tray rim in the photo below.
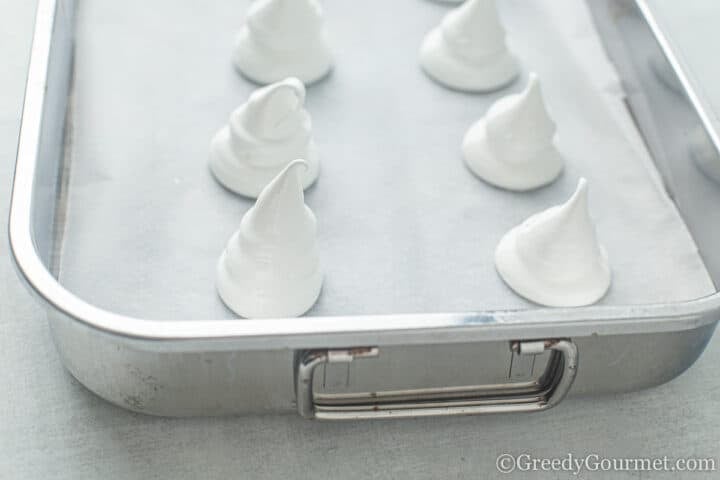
x=318, y=331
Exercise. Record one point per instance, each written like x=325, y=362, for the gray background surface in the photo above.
x=50, y=427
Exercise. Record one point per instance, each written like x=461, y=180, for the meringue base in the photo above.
x=252, y=297
x=441, y=65
x=518, y=177
x=264, y=67
x=516, y=275
x=249, y=180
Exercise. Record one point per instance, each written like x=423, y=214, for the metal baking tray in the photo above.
x=380, y=343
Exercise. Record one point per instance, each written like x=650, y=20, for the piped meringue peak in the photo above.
x=263, y=136
x=513, y=145
x=467, y=51
x=283, y=38
x=270, y=267
x=554, y=257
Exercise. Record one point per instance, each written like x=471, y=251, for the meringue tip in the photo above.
x=582, y=188
x=471, y=12
x=264, y=97
x=532, y=100
x=294, y=81
x=297, y=85
x=580, y=195
x=290, y=175
x=299, y=162
x=292, y=84
x=532, y=87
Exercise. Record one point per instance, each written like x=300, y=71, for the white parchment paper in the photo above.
x=403, y=226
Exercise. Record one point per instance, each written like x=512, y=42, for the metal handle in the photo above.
x=541, y=394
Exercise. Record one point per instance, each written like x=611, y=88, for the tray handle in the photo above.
x=541, y=394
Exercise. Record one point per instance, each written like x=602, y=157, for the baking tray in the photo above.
x=159, y=341
x=403, y=228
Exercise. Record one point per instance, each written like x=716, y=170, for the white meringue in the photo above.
x=270, y=268
x=264, y=134
x=554, y=257
x=283, y=38
x=467, y=50
x=512, y=146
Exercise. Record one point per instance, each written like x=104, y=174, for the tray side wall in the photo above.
x=256, y=382
x=669, y=115
x=47, y=192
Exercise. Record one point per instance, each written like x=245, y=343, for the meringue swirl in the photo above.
x=467, y=51
x=263, y=135
x=283, y=38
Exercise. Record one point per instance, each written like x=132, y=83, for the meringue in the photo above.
x=554, y=257
x=270, y=268
x=467, y=50
x=264, y=134
x=513, y=146
x=283, y=38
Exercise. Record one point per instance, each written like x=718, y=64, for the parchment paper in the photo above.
x=403, y=225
